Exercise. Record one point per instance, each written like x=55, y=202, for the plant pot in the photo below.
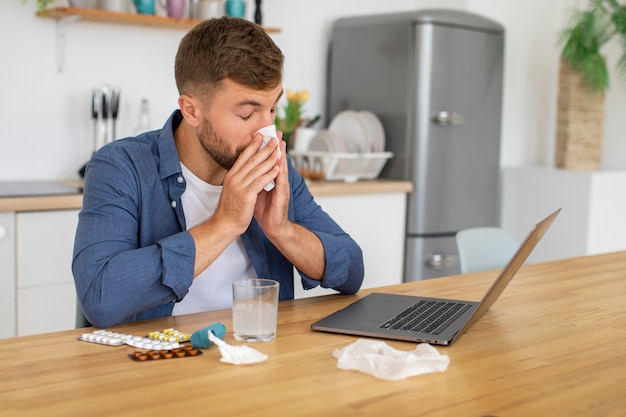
x=580, y=124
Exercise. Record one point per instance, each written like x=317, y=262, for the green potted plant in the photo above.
x=583, y=80
x=290, y=119
x=587, y=32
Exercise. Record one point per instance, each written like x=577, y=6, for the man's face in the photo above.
x=233, y=117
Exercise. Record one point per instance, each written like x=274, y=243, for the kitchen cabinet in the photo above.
x=7, y=274
x=36, y=285
x=592, y=220
x=46, y=298
x=376, y=222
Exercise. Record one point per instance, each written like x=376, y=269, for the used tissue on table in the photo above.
x=384, y=362
x=236, y=355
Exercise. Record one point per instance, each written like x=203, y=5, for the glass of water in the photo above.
x=255, y=309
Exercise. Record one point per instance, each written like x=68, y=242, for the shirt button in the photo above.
x=180, y=180
x=173, y=204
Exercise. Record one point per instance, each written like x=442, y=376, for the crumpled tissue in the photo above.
x=380, y=360
x=268, y=132
x=237, y=355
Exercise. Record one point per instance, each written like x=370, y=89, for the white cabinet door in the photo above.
x=46, y=298
x=7, y=274
x=376, y=222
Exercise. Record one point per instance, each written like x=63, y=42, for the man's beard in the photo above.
x=217, y=147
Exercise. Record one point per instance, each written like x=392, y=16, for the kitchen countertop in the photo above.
x=74, y=198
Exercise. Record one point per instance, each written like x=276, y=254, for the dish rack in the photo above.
x=349, y=167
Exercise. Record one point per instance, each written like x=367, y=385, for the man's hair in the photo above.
x=232, y=48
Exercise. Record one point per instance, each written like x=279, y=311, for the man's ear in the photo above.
x=191, y=110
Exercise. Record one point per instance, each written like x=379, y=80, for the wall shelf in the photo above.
x=104, y=16
x=66, y=15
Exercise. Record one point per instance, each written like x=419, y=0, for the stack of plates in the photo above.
x=327, y=141
x=353, y=132
x=352, y=148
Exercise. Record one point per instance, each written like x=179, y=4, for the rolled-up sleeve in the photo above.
x=344, y=265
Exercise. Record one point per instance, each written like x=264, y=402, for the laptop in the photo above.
x=424, y=319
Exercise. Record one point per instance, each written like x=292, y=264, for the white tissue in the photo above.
x=384, y=362
x=237, y=355
x=268, y=133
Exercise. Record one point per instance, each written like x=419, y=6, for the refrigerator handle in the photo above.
x=447, y=118
x=439, y=261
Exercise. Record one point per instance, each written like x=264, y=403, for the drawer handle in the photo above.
x=438, y=261
x=3, y=232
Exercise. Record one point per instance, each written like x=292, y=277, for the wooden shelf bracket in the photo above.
x=61, y=31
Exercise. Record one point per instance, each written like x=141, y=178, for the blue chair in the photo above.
x=484, y=248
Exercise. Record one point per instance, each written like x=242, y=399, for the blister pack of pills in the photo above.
x=105, y=337
x=147, y=343
x=170, y=335
x=151, y=355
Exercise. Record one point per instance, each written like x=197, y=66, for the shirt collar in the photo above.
x=168, y=154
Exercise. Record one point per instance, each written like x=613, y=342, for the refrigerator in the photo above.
x=434, y=78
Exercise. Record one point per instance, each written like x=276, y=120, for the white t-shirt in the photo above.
x=212, y=289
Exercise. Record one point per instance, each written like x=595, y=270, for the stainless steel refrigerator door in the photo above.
x=434, y=78
x=430, y=257
x=368, y=70
x=454, y=138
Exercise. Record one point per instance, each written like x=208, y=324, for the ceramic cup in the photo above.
x=235, y=8
x=255, y=309
x=144, y=6
x=208, y=9
x=174, y=8
x=122, y=6
x=303, y=138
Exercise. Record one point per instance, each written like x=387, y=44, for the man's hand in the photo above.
x=242, y=184
x=252, y=171
x=301, y=246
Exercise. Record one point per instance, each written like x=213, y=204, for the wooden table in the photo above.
x=553, y=345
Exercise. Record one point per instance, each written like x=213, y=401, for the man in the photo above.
x=171, y=217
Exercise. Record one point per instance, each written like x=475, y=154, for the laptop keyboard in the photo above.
x=426, y=316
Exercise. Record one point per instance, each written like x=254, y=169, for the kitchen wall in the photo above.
x=47, y=133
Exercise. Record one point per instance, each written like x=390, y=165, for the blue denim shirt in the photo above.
x=133, y=258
